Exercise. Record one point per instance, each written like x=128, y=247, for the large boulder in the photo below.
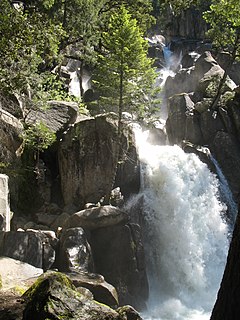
x=74, y=252
x=87, y=161
x=57, y=116
x=97, y=217
x=119, y=257
x=202, y=78
x=102, y=291
x=31, y=247
x=15, y=273
x=180, y=107
x=55, y=297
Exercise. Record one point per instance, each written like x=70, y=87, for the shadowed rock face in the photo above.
x=31, y=247
x=119, y=257
x=227, y=306
x=87, y=161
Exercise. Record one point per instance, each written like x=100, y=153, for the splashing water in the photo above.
x=185, y=238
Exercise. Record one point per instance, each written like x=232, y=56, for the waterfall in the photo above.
x=185, y=237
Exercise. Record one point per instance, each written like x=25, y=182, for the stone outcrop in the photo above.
x=202, y=78
x=180, y=109
x=57, y=116
x=189, y=24
x=5, y=215
x=102, y=291
x=10, y=138
x=98, y=217
x=117, y=251
x=31, y=247
x=87, y=162
x=227, y=305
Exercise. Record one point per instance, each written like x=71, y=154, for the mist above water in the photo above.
x=184, y=235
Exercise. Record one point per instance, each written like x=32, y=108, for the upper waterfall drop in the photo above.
x=185, y=237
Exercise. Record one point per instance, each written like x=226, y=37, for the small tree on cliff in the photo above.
x=124, y=76
x=224, y=20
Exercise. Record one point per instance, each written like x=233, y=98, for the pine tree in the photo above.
x=124, y=76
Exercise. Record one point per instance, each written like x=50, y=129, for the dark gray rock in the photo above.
x=31, y=247
x=74, y=251
x=102, y=291
x=180, y=107
x=210, y=124
x=57, y=116
x=129, y=313
x=119, y=257
x=226, y=150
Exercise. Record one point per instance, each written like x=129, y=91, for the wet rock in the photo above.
x=74, y=251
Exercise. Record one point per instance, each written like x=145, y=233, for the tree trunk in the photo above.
x=227, y=306
x=119, y=134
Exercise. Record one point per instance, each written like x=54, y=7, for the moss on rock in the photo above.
x=53, y=296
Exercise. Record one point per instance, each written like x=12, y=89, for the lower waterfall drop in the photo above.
x=186, y=240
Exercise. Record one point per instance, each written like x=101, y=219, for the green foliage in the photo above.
x=124, y=75
x=38, y=137
x=27, y=41
x=224, y=20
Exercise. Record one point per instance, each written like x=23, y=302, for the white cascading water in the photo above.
x=185, y=237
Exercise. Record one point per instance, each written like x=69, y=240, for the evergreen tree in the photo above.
x=124, y=75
